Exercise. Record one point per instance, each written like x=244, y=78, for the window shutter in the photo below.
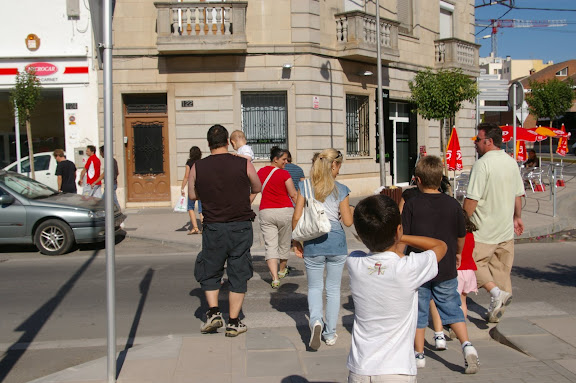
x=405, y=16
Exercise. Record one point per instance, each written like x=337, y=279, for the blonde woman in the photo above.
x=329, y=251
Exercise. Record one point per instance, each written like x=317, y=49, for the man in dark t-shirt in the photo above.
x=225, y=183
x=66, y=172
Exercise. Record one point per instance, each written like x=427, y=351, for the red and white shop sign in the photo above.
x=43, y=68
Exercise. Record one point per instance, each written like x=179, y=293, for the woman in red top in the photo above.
x=276, y=210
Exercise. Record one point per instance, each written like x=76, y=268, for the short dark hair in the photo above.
x=376, y=219
x=102, y=149
x=276, y=152
x=92, y=148
x=493, y=131
x=217, y=136
x=289, y=156
x=429, y=169
x=195, y=153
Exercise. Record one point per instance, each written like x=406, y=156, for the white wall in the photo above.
x=58, y=35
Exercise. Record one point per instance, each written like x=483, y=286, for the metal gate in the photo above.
x=265, y=121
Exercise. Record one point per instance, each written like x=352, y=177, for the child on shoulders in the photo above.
x=238, y=142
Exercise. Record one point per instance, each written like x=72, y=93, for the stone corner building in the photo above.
x=299, y=74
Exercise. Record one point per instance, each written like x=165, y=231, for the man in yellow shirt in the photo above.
x=493, y=201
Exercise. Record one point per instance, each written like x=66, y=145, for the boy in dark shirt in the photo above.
x=434, y=214
x=66, y=172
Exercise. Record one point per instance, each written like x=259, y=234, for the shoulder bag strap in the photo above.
x=267, y=178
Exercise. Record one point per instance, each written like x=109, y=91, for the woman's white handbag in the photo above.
x=313, y=223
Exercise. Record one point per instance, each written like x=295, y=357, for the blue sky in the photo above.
x=557, y=44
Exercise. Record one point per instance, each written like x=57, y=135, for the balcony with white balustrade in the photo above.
x=356, y=37
x=199, y=27
x=453, y=53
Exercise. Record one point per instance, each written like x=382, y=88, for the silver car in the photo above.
x=31, y=212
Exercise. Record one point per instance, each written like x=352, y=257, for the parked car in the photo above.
x=44, y=168
x=33, y=213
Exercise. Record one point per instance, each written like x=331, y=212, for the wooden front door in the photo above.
x=147, y=164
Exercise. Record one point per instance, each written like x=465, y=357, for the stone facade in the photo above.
x=300, y=48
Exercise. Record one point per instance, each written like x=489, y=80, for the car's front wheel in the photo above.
x=53, y=237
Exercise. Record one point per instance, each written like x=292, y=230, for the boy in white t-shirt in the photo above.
x=384, y=285
x=238, y=141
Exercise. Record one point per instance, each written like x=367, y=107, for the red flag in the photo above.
x=453, y=152
x=562, y=143
x=520, y=151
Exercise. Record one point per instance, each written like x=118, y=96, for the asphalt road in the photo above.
x=54, y=308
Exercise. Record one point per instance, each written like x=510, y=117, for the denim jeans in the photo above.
x=315, y=273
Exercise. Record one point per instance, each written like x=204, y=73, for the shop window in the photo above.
x=265, y=121
x=357, y=126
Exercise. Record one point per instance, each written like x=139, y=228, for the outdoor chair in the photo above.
x=534, y=177
x=461, y=185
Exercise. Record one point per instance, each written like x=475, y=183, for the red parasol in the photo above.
x=563, y=143
x=453, y=152
x=521, y=134
x=520, y=150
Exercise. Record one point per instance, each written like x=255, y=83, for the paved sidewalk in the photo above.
x=519, y=349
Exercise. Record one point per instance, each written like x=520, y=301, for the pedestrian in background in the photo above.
x=66, y=172
x=92, y=172
x=225, y=183
x=494, y=203
x=194, y=155
x=276, y=211
x=295, y=171
x=115, y=180
x=328, y=251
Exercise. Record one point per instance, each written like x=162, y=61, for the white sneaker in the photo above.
x=440, y=342
x=315, y=337
x=471, y=361
x=420, y=360
x=332, y=341
x=498, y=305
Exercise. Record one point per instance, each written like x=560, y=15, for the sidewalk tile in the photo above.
x=148, y=370
x=265, y=363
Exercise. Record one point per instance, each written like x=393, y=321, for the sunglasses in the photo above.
x=339, y=154
x=478, y=139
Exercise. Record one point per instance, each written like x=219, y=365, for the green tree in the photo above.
x=24, y=98
x=550, y=98
x=439, y=96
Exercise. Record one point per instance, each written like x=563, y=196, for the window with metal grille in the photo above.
x=357, y=126
x=265, y=121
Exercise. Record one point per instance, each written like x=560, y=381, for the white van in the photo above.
x=44, y=168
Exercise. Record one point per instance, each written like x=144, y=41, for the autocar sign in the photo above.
x=43, y=68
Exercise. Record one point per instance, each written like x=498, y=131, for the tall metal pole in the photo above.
x=17, y=134
x=381, y=140
x=515, y=86
x=108, y=198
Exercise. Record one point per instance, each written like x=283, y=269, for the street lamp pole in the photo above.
x=381, y=140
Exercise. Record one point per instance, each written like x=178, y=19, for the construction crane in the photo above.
x=514, y=23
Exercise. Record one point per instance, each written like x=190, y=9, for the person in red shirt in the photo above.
x=93, y=186
x=276, y=210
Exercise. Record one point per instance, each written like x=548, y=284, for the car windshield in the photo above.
x=25, y=186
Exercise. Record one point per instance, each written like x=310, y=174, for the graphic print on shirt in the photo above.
x=377, y=268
